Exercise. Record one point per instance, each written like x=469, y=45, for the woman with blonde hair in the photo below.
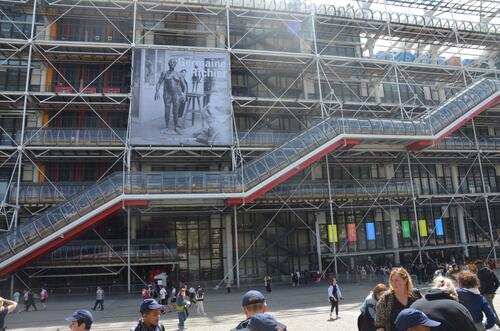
x=441, y=304
x=400, y=295
x=445, y=284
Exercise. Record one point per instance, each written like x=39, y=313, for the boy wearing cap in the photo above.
x=81, y=320
x=150, y=312
x=414, y=320
x=264, y=322
x=255, y=307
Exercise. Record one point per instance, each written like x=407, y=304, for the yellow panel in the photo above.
x=422, y=225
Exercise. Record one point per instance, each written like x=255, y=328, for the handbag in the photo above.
x=365, y=321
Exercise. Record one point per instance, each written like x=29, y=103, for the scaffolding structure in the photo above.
x=293, y=64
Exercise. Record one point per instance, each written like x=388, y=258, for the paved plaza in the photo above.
x=302, y=308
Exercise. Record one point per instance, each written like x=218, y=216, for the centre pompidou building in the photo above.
x=216, y=140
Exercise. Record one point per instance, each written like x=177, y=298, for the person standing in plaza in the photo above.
x=415, y=320
x=25, y=299
x=146, y=293
x=400, y=295
x=181, y=305
x=173, y=294
x=471, y=266
x=363, y=273
x=371, y=271
x=295, y=279
x=366, y=321
x=81, y=320
x=17, y=296
x=441, y=304
x=254, y=307
x=267, y=283
x=488, y=284
x=192, y=294
x=475, y=302
x=453, y=272
x=334, y=295
x=29, y=300
x=200, y=298
x=6, y=307
x=163, y=298
x=44, y=295
x=439, y=272
x=99, y=298
x=150, y=316
x=265, y=322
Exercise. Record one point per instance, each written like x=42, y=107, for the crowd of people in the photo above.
x=171, y=299
x=28, y=299
x=460, y=298
x=457, y=300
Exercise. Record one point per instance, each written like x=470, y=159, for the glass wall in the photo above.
x=200, y=247
x=470, y=179
x=282, y=243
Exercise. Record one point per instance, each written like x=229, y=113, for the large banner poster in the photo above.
x=181, y=98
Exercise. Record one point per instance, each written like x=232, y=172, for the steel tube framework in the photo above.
x=320, y=73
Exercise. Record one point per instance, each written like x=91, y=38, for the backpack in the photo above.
x=365, y=321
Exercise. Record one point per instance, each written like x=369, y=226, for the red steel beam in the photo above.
x=419, y=145
x=347, y=143
x=71, y=234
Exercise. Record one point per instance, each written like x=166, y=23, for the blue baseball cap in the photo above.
x=265, y=322
x=410, y=317
x=81, y=315
x=252, y=297
x=150, y=304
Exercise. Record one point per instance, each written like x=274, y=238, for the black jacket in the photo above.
x=243, y=324
x=441, y=307
x=488, y=280
x=141, y=327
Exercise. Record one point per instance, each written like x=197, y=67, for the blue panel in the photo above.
x=439, y=227
x=370, y=231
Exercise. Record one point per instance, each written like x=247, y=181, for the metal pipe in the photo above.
x=485, y=196
x=235, y=213
x=414, y=208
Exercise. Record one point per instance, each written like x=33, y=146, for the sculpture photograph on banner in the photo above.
x=181, y=98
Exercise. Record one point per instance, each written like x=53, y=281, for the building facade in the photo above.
x=76, y=79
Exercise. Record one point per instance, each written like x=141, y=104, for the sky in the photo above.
x=383, y=45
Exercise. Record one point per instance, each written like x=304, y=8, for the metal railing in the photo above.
x=318, y=189
x=74, y=136
x=251, y=174
x=353, y=13
x=52, y=193
x=264, y=139
x=113, y=251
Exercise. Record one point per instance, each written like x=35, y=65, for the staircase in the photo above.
x=80, y=212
